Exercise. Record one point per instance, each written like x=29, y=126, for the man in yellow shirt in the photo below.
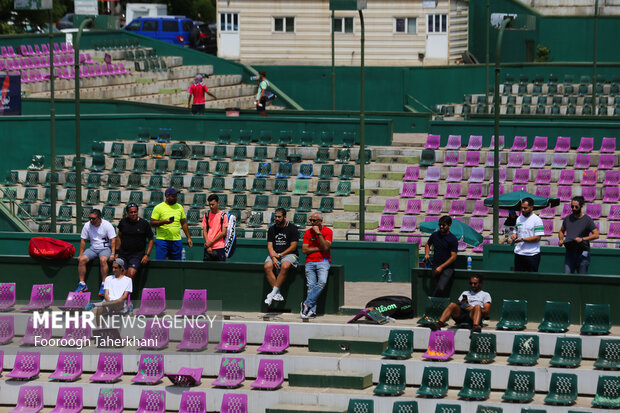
x=169, y=217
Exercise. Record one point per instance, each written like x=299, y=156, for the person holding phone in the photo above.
x=169, y=218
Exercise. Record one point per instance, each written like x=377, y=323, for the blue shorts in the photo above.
x=168, y=249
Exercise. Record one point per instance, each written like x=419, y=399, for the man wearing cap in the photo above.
x=134, y=240
x=117, y=288
x=197, y=90
x=169, y=217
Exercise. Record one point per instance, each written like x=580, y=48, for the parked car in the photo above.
x=204, y=37
x=171, y=29
x=66, y=22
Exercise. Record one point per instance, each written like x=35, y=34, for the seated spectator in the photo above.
x=509, y=226
x=117, y=288
x=282, y=240
x=474, y=304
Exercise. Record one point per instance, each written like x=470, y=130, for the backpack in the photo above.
x=230, y=240
x=268, y=95
x=395, y=306
x=50, y=249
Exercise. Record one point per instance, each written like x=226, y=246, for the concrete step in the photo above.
x=330, y=378
x=288, y=408
x=335, y=344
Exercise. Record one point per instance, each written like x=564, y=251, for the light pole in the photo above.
x=53, y=180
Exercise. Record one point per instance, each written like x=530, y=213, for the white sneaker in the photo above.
x=304, y=311
x=278, y=297
x=269, y=299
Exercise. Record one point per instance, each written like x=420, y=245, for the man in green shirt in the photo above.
x=169, y=217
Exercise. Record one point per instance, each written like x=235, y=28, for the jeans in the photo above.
x=316, y=278
x=576, y=260
x=443, y=283
x=526, y=263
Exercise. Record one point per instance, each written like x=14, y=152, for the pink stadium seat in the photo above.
x=539, y=160
x=519, y=187
x=491, y=159
x=451, y=158
x=454, y=142
x=440, y=346
x=480, y=248
x=412, y=173
x=409, y=223
x=548, y=226
x=543, y=177
x=614, y=230
x=414, y=239
x=453, y=190
x=432, y=141
x=567, y=177
x=503, y=172
x=474, y=191
x=611, y=194
x=594, y=210
x=553, y=241
x=480, y=209
x=458, y=208
x=409, y=190
x=566, y=210
x=433, y=173
x=614, y=213
x=414, y=206
x=502, y=142
x=562, y=144
x=589, y=193
x=543, y=190
x=515, y=160
x=586, y=145
x=435, y=206
x=522, y=176
x=391, y=206
x=472, y=159
x=502, y=190
x=455, y=174
x=477, y=174
x=477, y=224
x=474, y=143
x=582, y=161
x=612, y=178
x=565, y=193
x=387, y=223
x=548, y=212
x=431, y=190
x=519, y=143
x=391, y=238
x=589, y=177
x=370, y=237
x=608, y=145
x=462, y=245
x=540, y=144
x=607, y=161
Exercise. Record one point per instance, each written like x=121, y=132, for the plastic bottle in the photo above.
x=183, y=257
x=130, y=307
x=469, y=263
x=389, y=276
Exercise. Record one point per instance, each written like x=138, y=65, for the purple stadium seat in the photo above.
x=453, y=190
x=594, y=210
x=503, y=172
x=503, y=212
x=553, y=242
x=611, y=195
x=76, y=301
x=462, y=245
x=451, y=158
x=193, y=402
x=41, y=297
x=582, y=161
x=560, y=160
x=150, y=369
x=548, y=226
x=387, y=223
x=409, y=190
x=412, y=173
x=435, y=206
x=409, y=223
x=194, y=303
x=502, y=190
x=519, y=143
x=454, y=142
x=391, y=206
x=502, y=142
x=589, y=177
x=586, y=145
x=607, y=161
x=232, y=373
x=414, y=239
x=31, y=332
x=110, y=401
x=77, y=333
x=474, y=191
x=69, y=400
x=429, y=218
x=431, y=190
x=270, y=374
x=29, y=400
x=369, y=236
x=522, y=176
x=540, y=144
x=562, y=144
x=458, y=207
x=234, y=403
x=567, y=177
x=157, y=333
x=391, y=238
x=477, y=174
x=515, y=160
x=539, y=160
x=152, y=401
x=109, y=367
x=548, y=212
x=477, y=224
x=614, y=213
x=432, y=141
x=186, y=377
x=152, y=302
x=195, y=337
x=68, y=367
x=455, y=174
x=276, y=339
x=608, y=145
x=440, y=346
x=7, y=329
x=472, y=159
x=27, y=366
x=414, y=206
x=480, y=248
x=234, y=336
x=543, y=190
x=543, y=177
x=491, y=159
x=614, y=230
x=7, y=296
x=566, y=210
x=474, y=143
x=565, y=193
x=517, y=187
x=433, y=173
x=589, y=193
x=612, y=178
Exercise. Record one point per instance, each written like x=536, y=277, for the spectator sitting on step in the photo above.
x=282, y=240
x=117, y=289
x=474, y=304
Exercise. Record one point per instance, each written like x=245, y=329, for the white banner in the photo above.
x=86, y=7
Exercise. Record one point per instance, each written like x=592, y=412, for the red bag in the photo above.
x=50, y=249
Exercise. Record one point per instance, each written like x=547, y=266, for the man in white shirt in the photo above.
x=117, y=288
x=526, y=238
x=473, y=305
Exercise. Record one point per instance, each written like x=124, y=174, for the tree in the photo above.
x=14, y=21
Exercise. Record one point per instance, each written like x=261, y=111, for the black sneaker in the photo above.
x=434, y=326
x=476, y=329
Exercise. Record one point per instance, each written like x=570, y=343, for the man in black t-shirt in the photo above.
x=445, y=247
x=282, y=239
x=578, y=229
x=134, y=241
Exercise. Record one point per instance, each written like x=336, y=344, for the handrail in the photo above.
x=278, y=91
x=13, y=209
x=408, y=96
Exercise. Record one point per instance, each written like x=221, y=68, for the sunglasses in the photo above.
x=575, y=207
x=314, y=220
x=474, y=283
x=92, y=218
x=116, y=267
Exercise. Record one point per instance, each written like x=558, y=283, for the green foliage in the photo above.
x=191, y=9
x=542, y=53
x=12, y=21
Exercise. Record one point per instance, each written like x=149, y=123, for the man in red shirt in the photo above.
x=197, y=90
x=316, y=245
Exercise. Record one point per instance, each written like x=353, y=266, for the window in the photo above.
x=187, y=25
x=343, y=24
x=437, y=23
x=149, y=26
x=405, y=25
x=284, y=24
x=169, y=26
x=134, y=26
x=229, y=22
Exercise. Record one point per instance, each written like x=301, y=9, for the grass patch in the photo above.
x=379, y=192
x=144, y=80
x=398, y=159
x=394, y=176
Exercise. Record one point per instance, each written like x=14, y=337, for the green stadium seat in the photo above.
x=60, y=162
x=196, y=232
x=219, y=152
x=514, y=315
x=193, y=216
x=465, y=110
x=525, y=350
x=155, y=182
x=11, y=194
x=31, y=195
x=327, y=205
x=265, y=137
x=134, y=181
x=198, y=152
x=70, y=197
x=118, y=149
x=327, y=139
x=239, y=185
x=556, y=100
x=263, y=170
x=161, y=166
x=400, y=344
x=280, y=186
x=66, y=229
x=221, y=168
x=240, y=201
x=304, y=204
x=434, y=308
x=70, y=180
x=177, y=182
x=197, y=184
x=607, y=392
x=224, y=137
x=284, y=201
x=477, y=384
x=65, y=213
x=113, y=182
x=562, y=389
x=348, y=139
x=237, y=215
x=567, y=352
x=11, y=178
x=259, y=233
x=202, y=168
x=44, y=212
x=428, y=157
x=108, y=213
x=555, y=110
x=300, y=219
x=199, y=201
x=307, y=138
x=526, y=109
x=24, y=211
x=147, y=213
x=135, y=197
x=347, y=172
x=305, y=171
x=285, y=138
x=120, y=165
x=156, y=198
x=181, y=167
x=536, y=90
x=596, y=319
x=301, y=187
x=344, y=188
x=434, y=382
x=144, y=134
x=73, y=163
x=245, y=136
x=327, y=171
x=48, y=179
x=261, y=203
x=482, y=348
x=322, y=155
x=255, y=220
x=114, y=198
x=552, y=89
x=138, y=150
x=92, y=197
x=240, y=153
x=98, y=163
x=360, y=406
x=139, y=166
x=285, y=170
x=281, y=154
x=260, y=153
x=343, y=155
x=510, y=110
x=556, y=317
x=159, y=151
x=520, y=386
x=488, y=409
x=391, y=380
x=179, y=151
x=259, y=186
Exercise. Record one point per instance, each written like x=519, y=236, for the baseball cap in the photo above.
x=171, y=191
x=120, y=262
x=198, y=78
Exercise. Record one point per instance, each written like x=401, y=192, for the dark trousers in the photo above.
x=525, y=263
x=443, y=282
x=218, y=255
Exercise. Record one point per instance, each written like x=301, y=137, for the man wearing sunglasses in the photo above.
x=102, y=236
x=445, y=249
x=316, y=245
x=526, y=238
x=578, y=229
x=134, y=242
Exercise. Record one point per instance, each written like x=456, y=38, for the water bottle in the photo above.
x=389, y=276
x=253, y=77
x=130, y=307
x=183, y=254
x=469, y=263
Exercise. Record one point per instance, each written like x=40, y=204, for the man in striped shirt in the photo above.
x=526, y=238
